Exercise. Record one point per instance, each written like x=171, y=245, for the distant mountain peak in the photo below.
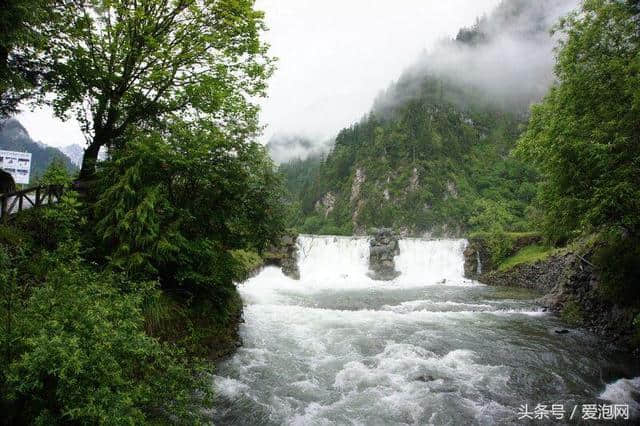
x=75, y=152
x=14, y=137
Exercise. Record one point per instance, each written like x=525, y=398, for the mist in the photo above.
x=508, y=57
x=286, y=147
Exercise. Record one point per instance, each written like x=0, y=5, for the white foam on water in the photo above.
x=624, y=391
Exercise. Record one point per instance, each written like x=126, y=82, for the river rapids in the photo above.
x=429, y=347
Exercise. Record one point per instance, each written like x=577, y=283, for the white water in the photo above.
x=332, y=259
x=428, y=262
x=429, y=347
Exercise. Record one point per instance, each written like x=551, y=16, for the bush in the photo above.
x=52, y=225
x=500, y=245
x=245, y=263
x=81, y=355
x=618, y=261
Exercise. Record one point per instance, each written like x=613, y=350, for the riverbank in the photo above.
x=569, y=283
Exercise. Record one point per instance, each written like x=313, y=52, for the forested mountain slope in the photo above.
x=433, y=154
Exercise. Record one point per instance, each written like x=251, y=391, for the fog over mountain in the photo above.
x=505, y=57
x=75, y=152
x=14, y=137
x=283, y=147
x=508, y=56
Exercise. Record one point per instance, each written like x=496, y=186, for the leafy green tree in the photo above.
x=584, y=136
x=22, y=44
x=56, y=174
x=121, y=64
x=174, y=206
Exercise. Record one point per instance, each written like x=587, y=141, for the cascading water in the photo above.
x=332, y=259
x=426, y=262
x=429, y=347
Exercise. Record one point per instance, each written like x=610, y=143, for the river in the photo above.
x=429, y=347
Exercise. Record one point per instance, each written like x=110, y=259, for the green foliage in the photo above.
x=246, y=263
x=618, y=261
x=422, y=164
x=529, y=254
x=500, y=245
x=22, y=44
x=50, y=226
x=118, y=65
x=105, y=307
x=172, y=209
x=584, y=136
x=79, y=354
x=56, y=174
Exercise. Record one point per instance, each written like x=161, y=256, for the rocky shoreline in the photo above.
x=569, y=283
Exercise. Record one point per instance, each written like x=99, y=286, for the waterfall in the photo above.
x=331, y=258
x=431, y=262
x=478, y=263
x=323, y=260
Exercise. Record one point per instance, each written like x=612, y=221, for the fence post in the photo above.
x=5, y=214
x=37, y=197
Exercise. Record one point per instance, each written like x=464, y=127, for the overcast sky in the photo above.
x=335, y=56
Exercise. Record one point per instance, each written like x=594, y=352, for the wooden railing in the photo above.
x=14, y=202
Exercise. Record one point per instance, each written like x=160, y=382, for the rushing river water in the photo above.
x=429, y=347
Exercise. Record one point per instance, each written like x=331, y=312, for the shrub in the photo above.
x=500, y=245
x=245, y=262
x=82, y=355
x=618, y=261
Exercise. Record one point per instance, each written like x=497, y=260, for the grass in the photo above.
x=512, y=235
x=528, y=254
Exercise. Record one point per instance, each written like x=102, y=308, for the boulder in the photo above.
x=382, y=250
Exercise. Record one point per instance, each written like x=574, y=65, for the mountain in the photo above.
x=433, y=156
x=14, y=137
x=75, y=153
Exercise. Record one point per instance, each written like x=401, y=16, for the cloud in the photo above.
x=336, y=55
x=507, y=56
x=286, y=147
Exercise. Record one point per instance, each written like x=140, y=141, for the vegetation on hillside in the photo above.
x=433, y=155
x=584, y=139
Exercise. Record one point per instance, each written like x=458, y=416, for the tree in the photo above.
x=56, y=173
x=173, y=206
x=119, y=64
x=585, y=135
x=22, y=43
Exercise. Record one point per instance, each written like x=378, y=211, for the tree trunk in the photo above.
x=88, y=169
